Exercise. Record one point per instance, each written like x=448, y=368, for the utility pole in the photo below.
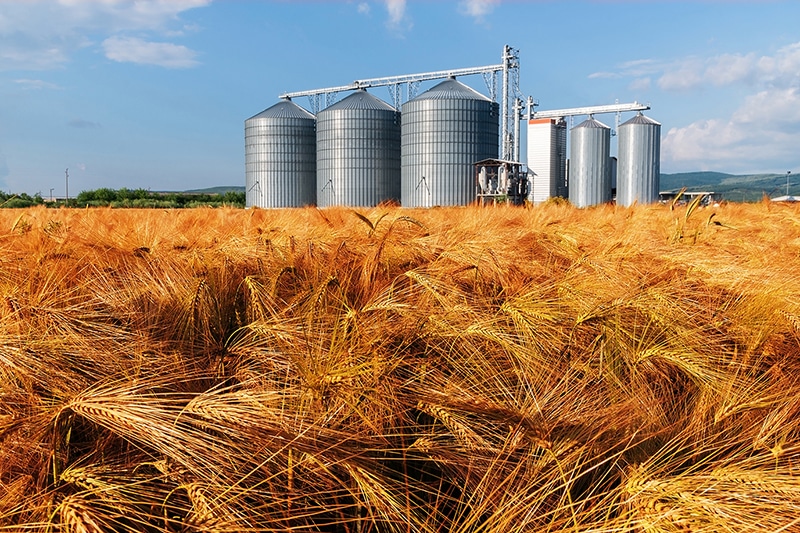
x=788, y=172
x=66, y=186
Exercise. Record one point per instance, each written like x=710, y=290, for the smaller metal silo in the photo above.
x=358, y=152
x=280, y=157
x=589, y=167
x=639, y=166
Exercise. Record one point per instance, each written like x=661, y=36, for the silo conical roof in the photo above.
x=360, y=99
x=641, y=119
x=284, y=109
x=591, y=123
x=451, y=89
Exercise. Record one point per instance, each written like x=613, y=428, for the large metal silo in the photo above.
x=639, y=165
x=589, y=172
x=446, y=130
x=358, y=152
x=280, y=157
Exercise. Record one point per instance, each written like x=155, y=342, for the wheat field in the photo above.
x=479, y=369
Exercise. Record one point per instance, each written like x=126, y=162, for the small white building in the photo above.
x=547, y=159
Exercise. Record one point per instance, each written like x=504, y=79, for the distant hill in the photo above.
x=735, y=188
x=691, y=179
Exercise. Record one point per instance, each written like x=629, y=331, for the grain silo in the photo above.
x=639, y=166
x=445, y=131
x=358, y=152
x=589, y=173
x=547, y=158
x=280, y=157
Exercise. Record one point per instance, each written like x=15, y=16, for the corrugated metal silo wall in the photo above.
x=280, y=161
x=442, y=140
x=589, y=178
x=639, y=167
x=358, y=157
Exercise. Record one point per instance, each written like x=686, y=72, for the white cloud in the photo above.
x=639, y=65
x=187, y=28
x=762, y=134
x=640, y=84
x=604, y=75
x=630, y=69
x=25, y=55
x=727, y=69
x=683, y=76
x=779, y=107
x=761, y=129
x=37, y=84
x=83, y=124
x=696, y=73
x=780, y=69
x=706, y=141
x=43, y=34
x=122, y=15
x=398, y=19
x=784, y=68
x=477, y=8
x=363, y=8
x=396, y=9
x=134, y=50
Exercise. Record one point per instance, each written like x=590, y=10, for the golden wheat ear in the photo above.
x=493, y=369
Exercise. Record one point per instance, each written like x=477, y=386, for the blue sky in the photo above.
x=154, y=93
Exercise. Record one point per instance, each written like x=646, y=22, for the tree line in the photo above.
x=139, y=198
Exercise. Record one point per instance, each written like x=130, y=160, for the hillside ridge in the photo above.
x=738, y=187
x=735, y=187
